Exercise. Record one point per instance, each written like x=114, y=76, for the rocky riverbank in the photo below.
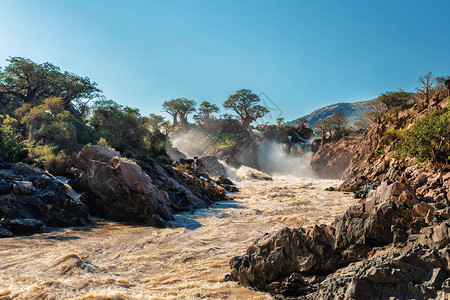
x=30, y=200
x=110, y=187
x=140, y=191
x=392, y=244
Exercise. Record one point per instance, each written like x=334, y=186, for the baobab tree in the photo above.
x=323, y=127
x=179, y=108
x=186, y=107
x=245, y=105
x=171, y=107
x=205, y=111
x=339, y=122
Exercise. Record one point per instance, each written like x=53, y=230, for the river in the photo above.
x=188, y=261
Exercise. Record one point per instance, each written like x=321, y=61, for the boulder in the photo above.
x=333, y=157
x=383, y=247
x=210, y=165
x=23, y=187
x=32, y=200
x=147, y=192
x=21, y=225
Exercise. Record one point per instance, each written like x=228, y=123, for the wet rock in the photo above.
x=227, y=184
x=381, y=248
x=5, y=187
x=211, y=166
x=148, y=192
x=5, y=233
x=21, y=226
x=31, y=200
x=23, y=187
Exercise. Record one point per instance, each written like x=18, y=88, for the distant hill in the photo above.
x=353, y=112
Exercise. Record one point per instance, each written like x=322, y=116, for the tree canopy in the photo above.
x=394, y=98
x=245, y=105
x=30, y=82
x=205, y=112
x=179, y=108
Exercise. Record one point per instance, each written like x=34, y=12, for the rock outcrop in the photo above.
x=30, y=200
x=148, y=192
x=333, y=157
x=393, y=244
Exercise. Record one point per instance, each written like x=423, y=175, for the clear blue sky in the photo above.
x=303, y=54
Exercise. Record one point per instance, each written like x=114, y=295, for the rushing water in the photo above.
x=190, y=260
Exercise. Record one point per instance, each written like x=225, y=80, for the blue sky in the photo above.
x=302, y=54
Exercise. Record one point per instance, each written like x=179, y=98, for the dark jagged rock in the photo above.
x=228, y=185
x=211, y=166
x=146, y=192
x=390, y=245
x=31, y=200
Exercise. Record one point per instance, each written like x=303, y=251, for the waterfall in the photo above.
x=69, y=190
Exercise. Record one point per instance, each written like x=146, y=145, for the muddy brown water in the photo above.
x=188, y=261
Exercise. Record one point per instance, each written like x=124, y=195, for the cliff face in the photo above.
x=333, y=158
x=374, y=157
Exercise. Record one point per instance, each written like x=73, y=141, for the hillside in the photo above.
x=353, y=112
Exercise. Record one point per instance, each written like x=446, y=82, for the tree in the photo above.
x=159, y=129
x=245, y=104
x=339, y=122
x=49, y=123
x=32, y=82
x=171, y=107
x=377, y=108
x=443, y=84
x=301, y=123
x=394, y=99
x=10, y=147
x=185, y=108
x=121, y=126
x=228, y=117
x=324, y=127
x=156, y=123
x=425, y=85
x=179, y=108
x=205, y=111
x=280, y=121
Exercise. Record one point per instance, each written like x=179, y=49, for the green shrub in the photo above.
x=46, y=158
x=163, y=159
x=428, y=139
x=104, y=144
x=226, y=141
x=392, y=135
x=10, y=148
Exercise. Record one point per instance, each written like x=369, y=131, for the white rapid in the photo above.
x=188, y=261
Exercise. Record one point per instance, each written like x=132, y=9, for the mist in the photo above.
x=273, y=158
x=192, y=142
x=276, y=160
